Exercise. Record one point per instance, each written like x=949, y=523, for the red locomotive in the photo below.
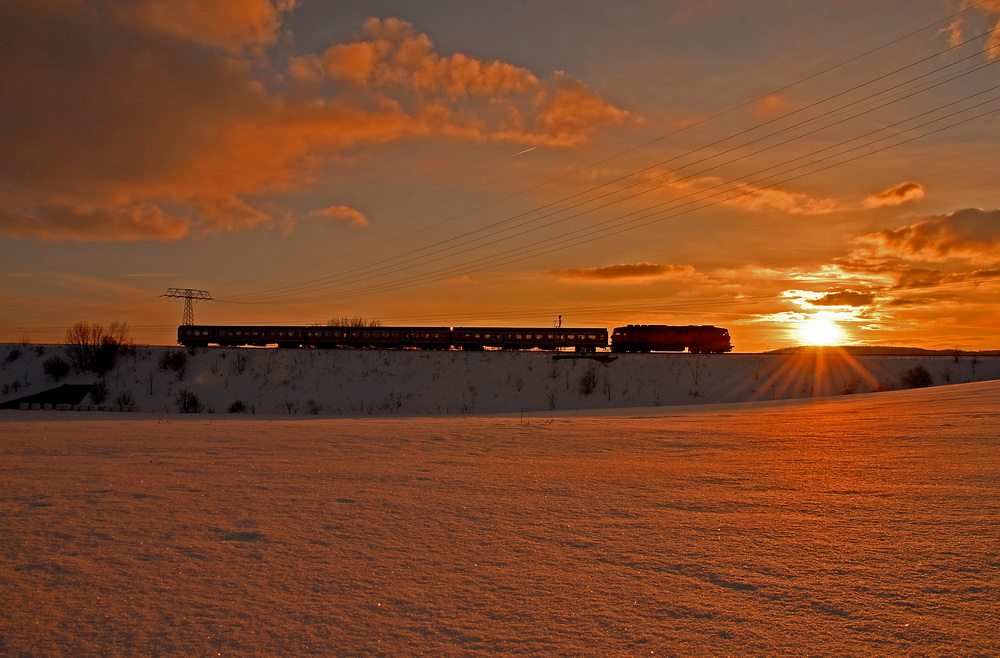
x=704, y=339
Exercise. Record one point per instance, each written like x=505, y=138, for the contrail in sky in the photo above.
x=524, y=151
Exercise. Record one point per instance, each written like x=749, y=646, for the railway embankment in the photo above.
x=303, y=382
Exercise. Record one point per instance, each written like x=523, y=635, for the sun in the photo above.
x=820, y=331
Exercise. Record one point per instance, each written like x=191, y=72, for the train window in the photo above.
x=519, y=336
x=551, y=337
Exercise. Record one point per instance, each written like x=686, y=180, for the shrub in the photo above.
x=92, y=347
x=56, y=367
x=237, y=407
x=126, y=401
x=189, y=402
x=588, y=381
x=99, y=392
x=175, y=360
x=917, y=377
x=13, y=355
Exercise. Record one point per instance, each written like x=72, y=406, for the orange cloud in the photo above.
x=992, y=9
x=628, y=271
x=138, y=221
x=232, y=26
x=970, y=234
x=772, y=106
x=396, y=66
x=350, y=215
x=757, y=198
x=895, y=196
x=158, y=118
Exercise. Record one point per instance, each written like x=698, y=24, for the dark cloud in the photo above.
x=845, y=298
x=905, y=302
x=628, y=271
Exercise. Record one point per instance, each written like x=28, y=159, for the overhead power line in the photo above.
x=531, y=221
x=947, y=20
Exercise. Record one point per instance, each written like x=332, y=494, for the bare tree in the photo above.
x=352, y=322
x=92, y=347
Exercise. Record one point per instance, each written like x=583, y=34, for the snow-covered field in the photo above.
x=272, y=382
x=567, y=523
x=850, y=525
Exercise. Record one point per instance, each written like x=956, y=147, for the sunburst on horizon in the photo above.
x=820, y=331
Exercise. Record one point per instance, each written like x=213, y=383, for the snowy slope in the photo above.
x=416, y=383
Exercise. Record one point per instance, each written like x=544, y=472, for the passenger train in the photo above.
x=702, y=339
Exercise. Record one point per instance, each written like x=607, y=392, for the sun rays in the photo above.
x=820, y=330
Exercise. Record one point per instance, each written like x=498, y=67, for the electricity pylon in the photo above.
x=188, y=295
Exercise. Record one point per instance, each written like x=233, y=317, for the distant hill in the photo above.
x=878, y=350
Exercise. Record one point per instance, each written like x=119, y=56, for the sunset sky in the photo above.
x=798, y=172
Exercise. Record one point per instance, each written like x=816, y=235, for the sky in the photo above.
x=800, y=173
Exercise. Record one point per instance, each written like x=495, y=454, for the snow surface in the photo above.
x=273, y=382
x=536, y=518
x=851, y=525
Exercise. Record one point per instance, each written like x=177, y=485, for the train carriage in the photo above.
x=580, y=339
x=240, y=336
x=431, y=338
